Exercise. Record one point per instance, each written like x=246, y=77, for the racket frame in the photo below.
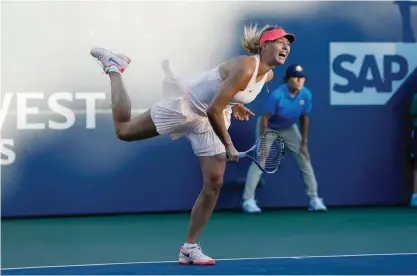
x=256, y=145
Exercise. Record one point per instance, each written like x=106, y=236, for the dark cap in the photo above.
x=295, y=70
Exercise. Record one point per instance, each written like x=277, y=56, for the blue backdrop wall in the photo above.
x=357, y=139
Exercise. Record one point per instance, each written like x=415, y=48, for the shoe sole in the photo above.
x=197, y=263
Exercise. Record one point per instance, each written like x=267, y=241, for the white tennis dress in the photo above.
x=182, y=110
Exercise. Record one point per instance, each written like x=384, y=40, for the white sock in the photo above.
x=113, y=68
x=189, y=245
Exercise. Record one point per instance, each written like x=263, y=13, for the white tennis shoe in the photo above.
x=249, y=206
x=194, y=255
x=107, y=59
x=317, y=205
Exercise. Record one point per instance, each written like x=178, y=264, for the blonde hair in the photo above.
x=251, y=36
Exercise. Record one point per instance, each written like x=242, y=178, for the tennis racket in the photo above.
x=268, y=152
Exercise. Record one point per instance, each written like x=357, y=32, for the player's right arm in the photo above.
x=237, y=80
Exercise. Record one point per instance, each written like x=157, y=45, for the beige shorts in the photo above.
x=172, y=116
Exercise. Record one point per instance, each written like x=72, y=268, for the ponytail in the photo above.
x=251, y=37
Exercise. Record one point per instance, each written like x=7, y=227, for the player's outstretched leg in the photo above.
x=127, y=128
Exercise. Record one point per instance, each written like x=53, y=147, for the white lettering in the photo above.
x=8, y=156
x=369, y=73
x=29, y=113
x=5, y=105
x=90, y=102
x=62, y=110
x=24, y=111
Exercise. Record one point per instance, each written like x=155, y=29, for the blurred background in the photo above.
x=357, y=138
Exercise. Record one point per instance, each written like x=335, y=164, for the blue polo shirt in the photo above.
x=286, y=109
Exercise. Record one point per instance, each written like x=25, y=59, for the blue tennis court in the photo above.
x=377, y=264
x=376, y=241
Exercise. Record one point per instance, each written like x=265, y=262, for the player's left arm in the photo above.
x=304, y=118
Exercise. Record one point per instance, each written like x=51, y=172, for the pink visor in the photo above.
x=276, y=34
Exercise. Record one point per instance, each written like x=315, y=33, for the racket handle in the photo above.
x=242, y=154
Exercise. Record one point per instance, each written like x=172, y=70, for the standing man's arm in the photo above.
x=304, y=123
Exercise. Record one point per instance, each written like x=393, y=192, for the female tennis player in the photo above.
x=200, y=108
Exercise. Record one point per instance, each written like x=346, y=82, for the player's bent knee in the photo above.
x=135, y=130
x=123, y=133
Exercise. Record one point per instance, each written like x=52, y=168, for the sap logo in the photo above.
x=369, y=73
x=382, y=83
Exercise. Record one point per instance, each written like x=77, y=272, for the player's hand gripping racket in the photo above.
x=268, y=152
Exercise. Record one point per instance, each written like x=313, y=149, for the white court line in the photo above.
x=233, y=259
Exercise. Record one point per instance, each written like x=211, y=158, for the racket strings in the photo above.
x=270, y=152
